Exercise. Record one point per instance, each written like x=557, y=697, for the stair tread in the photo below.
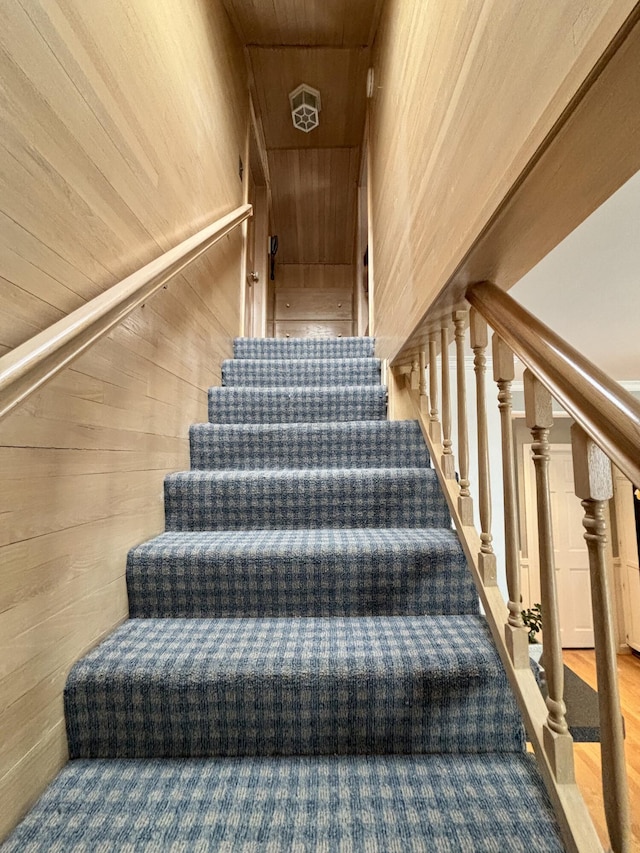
x=311, y=497
x=275, y=372
x=369, y=444
x=381, y=804
x=297, y=404
x=291, y=686
x=197, y=649
x=317, y=572
x=315, y=541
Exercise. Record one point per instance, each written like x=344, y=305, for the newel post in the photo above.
x=593, y=485
x=516, y=638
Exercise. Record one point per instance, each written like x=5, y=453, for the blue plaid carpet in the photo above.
x=274, y=372
x=372, y=804
x=297, y=404
x=384, y=684
x=363, y=444
x=325, y=572
x=305, y=667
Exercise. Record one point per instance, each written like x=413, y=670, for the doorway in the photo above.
x=256, y=266
x=627, y=539
x=570, y=550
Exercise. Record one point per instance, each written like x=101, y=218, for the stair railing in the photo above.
x=30, y=365
x=606, y=430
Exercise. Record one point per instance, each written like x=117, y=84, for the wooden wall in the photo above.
x=314, y=176
x=313, y=300
x=121, y=127
x=465, y=95
x=296, y=22
x=314, y=204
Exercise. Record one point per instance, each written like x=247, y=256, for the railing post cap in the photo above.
x=538, y=403
x=478, y=329
x=591, y=468
x=503, y=366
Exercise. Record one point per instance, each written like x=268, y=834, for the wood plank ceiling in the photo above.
x=313, y=176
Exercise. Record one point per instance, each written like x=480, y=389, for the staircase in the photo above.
x=305, y=667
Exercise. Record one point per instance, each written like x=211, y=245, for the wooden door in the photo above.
x=570, y=550
x=256, y=264
x=629, y=562
x=249, y=264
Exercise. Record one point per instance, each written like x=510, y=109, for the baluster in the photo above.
x=422, y=385
x=446, y=460
x=515, y=633
x=434, y=422
x=465, y=501
x=592, y=476
x=486, y=557
x=557, y=739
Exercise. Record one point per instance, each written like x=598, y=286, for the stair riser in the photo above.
x=387, y=444
x=291, y=686
x=297, y=405
x=271, y=373
x=295, y=500
x=320, y=714
x=258, y=585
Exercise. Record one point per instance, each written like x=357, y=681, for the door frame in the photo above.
x=532, y=562
x=255, y=234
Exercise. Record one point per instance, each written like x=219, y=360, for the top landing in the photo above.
x=303, y=347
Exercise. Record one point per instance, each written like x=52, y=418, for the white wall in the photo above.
x=588, y=288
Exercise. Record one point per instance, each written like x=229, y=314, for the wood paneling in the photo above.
x=313, y=300
x=312, y=176
x=306, y=22
x=121, y=133
x=338, y=74
x=594, y=153
x=313, y=304
x=464, y=99
x=313, y=329
x=314, y=204
x=314, y=275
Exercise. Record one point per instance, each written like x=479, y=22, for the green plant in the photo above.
x=532, y=618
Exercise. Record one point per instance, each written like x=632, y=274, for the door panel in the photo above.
x=570, y=550
x=628, y=556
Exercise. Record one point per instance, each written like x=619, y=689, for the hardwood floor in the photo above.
x=587, y=755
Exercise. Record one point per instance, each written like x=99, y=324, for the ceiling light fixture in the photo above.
x=305, y=106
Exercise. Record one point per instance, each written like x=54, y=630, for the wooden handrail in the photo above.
x=605, y=411
x=27, y=367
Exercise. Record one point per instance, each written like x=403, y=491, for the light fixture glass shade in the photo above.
x=305, y=106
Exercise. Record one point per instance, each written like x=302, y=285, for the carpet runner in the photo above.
x=305, y=666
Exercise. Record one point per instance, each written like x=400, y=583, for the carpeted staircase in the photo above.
x=305, y=667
